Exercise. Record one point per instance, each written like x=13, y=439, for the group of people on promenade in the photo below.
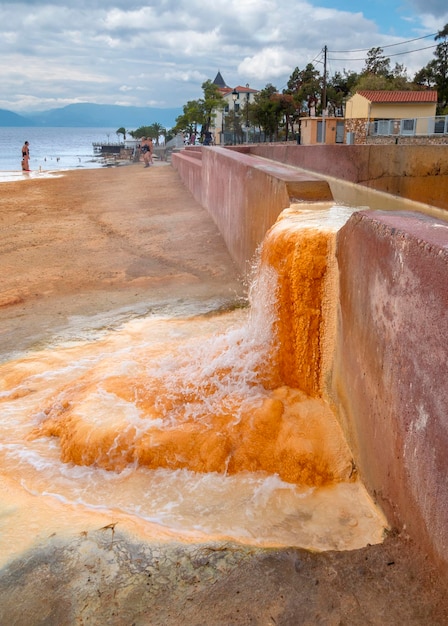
x=206, y=139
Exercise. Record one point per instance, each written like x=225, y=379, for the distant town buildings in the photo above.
x=368, y=117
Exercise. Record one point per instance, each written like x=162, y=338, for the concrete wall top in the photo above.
x=416, y=172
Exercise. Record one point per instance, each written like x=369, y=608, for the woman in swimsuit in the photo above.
x=26, y=157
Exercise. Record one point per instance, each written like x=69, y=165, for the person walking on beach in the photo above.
x=145, y=151
x=26, y=157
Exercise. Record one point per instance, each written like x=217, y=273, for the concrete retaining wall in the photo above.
x=189, y=168
x=418, y=173
x=245, y=194
x=391, y=370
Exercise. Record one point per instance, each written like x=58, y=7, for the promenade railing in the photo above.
x=437, y=125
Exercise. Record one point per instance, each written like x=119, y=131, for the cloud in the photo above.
x=185, y=76
x=269, y=63
x=437, y=8
x=161, y=51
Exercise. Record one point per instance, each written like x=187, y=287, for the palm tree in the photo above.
x=157, y=130
x=121, y=131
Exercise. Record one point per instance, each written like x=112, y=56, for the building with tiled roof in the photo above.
x=389, y=110
x=231, y=124
x=398, y=97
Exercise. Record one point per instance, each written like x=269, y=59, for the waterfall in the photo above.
x=209, y=424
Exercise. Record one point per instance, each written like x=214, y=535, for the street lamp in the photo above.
x=247, y=116
x=234, y=98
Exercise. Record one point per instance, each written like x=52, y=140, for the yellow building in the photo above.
x=314, y=130
x=394, y=111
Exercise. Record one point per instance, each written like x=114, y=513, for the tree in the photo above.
x=153, y=131
x=435, y=74
x=267, y=111
x=339, y=88
x=374, y=82
x=190, y=118
x=288, y=111
x=376, y=63
x=377, y=74
x=157, y=130
x=211, y=102
x=121, y=131
x=201, y=111
x=306, y=88
x=426, y=76
x=312, y=88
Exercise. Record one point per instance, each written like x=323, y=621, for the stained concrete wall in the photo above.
x=232, y=190
x=245, y=188
x=245, y=194
x=391, y=370
x=418, y=173
x=189, y=166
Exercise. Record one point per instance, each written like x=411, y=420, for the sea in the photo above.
x=51, y=149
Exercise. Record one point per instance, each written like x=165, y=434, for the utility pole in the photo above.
x=324, y=86
x=324, y=96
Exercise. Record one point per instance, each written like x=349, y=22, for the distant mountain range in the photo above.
x=94, y=115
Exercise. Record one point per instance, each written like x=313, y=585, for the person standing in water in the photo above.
x=26, y=157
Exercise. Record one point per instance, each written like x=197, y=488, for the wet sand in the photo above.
x=90, y=248
x=86, y=251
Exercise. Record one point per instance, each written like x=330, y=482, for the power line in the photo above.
x=315, y=60
x=321, y=52
x=401, y=43
x=316, y=57
x=391, y=55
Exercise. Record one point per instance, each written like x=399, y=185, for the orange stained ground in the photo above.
x=271, y=419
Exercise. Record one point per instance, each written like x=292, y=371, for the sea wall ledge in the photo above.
x=418, y=173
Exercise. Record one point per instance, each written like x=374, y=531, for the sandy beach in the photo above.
x=103, y=245
x=88, y=250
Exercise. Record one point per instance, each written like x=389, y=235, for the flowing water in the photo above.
x=211, y=426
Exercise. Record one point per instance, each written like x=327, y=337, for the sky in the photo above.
x=159, y=52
